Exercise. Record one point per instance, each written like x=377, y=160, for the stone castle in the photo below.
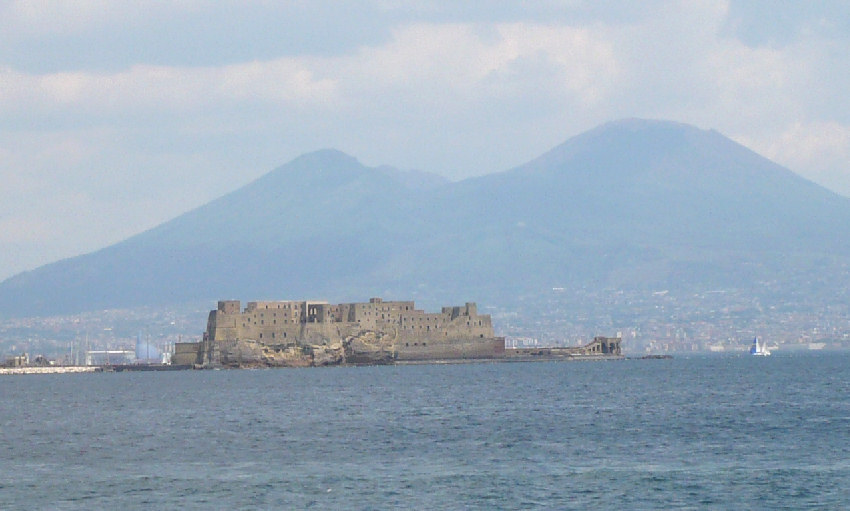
x=306, y=333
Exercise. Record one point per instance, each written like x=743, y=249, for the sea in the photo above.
x=694, y=432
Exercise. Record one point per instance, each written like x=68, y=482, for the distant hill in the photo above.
x=633, y=203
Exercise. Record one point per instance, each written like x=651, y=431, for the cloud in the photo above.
x=145, y=89
x=425, y=81
x=467, y=89
x=459, y=63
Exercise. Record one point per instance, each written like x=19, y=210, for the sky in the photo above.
x=116, y=116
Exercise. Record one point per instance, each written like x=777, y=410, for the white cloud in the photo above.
x=159, y=89
x=468, y=89
x=457, y=65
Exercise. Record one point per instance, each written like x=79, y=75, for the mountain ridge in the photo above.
x=631, y=202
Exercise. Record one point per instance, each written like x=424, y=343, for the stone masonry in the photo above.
x=300, y=333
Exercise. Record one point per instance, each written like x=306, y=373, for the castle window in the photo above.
x=261, y=335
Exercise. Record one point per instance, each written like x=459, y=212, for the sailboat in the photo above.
x=759, y=350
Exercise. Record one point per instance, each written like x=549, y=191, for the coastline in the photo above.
x=51, y=370
x=454, y=361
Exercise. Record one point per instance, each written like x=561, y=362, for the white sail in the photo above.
x=759, y=350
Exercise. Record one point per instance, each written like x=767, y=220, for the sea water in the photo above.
x=712, y=432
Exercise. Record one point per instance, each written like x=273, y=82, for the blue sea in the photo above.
x=711, y=432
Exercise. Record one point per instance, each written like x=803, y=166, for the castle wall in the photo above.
x=222, y=325
x=229, y=306
x=452, y=349
x=455, y=332
x=186, y=353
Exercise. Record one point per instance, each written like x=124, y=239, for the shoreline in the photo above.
x=51, y=370
x=136, y=368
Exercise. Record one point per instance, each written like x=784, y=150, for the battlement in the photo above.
x=228, y=306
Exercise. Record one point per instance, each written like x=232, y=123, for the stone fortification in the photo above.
x=305, y=333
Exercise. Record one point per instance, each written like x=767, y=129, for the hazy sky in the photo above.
x=118, y=115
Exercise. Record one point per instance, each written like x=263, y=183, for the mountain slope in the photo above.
x=645, y=203
x=630, y=203
x=312, y=220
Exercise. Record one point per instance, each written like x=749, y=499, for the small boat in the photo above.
x=759, y=350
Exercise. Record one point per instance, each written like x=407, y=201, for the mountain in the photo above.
x=633, y=203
